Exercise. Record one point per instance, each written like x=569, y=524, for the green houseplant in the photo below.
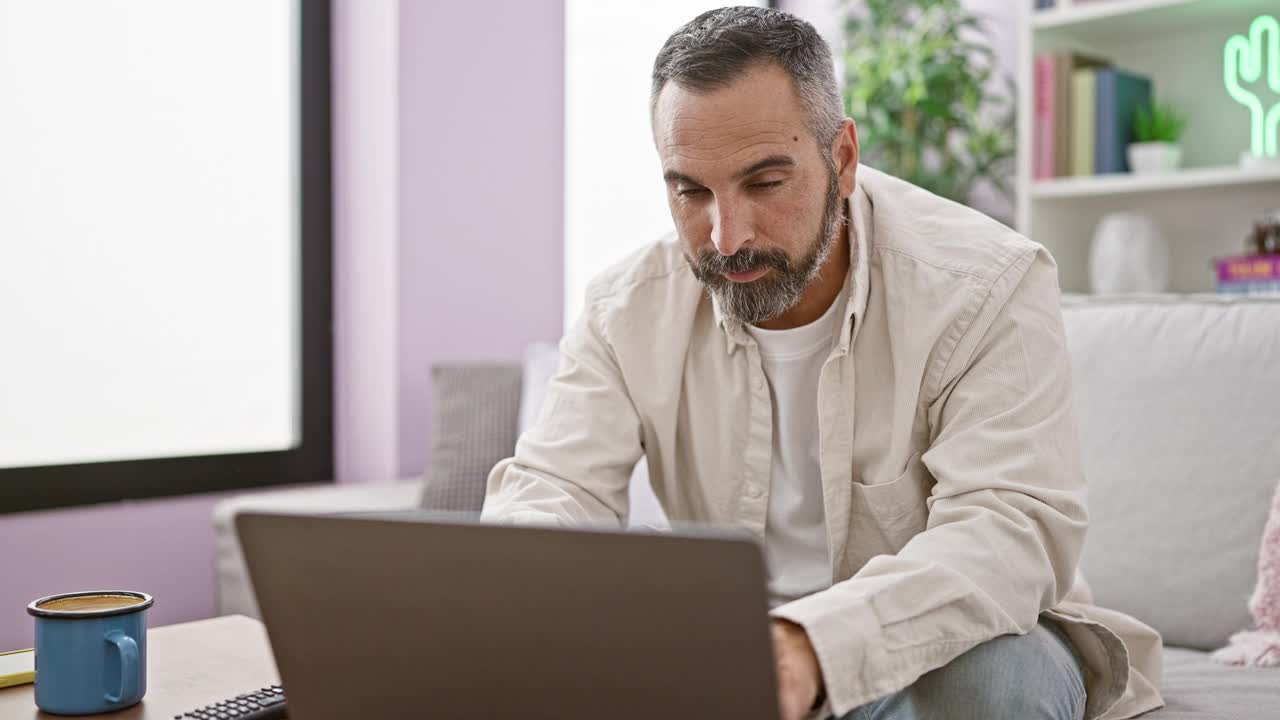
x=1156, y=132
x=918, y=81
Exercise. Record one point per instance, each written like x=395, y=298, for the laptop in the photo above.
x=445, y=617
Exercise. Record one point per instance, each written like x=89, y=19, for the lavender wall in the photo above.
x=481, y=178
x=163, y=547
x=474, y=271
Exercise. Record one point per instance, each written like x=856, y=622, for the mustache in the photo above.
x=710, y=266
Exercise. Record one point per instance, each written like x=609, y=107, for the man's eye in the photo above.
x=765, y=185
x=689, y=192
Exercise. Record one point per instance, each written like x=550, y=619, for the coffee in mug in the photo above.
x=91, y=651
x=82, y=603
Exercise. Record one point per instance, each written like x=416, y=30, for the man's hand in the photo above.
x=799, y=675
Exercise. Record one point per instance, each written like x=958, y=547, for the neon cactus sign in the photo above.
x=1243, y=59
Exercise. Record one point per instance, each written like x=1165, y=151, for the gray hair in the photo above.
x=713, y=49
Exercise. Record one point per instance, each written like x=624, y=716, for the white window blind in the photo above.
x=149, y=251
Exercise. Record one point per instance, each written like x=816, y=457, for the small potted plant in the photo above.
x=1156, y=131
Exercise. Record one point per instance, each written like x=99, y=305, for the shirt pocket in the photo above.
x=885, y=516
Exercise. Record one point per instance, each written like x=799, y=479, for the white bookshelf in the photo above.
x=1206, y=208
x=1123, y=18
x=1207, y=179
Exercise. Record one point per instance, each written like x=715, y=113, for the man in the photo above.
x=872, y=379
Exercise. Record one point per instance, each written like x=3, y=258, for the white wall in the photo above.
x=366, y=101
x=615, y=199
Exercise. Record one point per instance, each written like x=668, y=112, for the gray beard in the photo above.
x=759, y=301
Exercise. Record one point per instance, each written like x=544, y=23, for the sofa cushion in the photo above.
x=1196, y=688
x=1177, y=402
x=233, y=592
x=476, y=409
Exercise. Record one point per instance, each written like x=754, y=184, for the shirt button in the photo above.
x=754, y=491
x=759, y=382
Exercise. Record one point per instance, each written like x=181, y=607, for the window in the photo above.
x=615, y=200
x=165, y=247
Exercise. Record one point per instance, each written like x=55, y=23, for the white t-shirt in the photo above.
x=796, y=547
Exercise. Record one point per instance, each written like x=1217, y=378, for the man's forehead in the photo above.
x=756, y=110
x=712, y=142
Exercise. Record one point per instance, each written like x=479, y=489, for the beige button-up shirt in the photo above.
x=951, y=474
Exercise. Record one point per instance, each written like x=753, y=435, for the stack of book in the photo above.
x=1084, y=113
x=1249, y=275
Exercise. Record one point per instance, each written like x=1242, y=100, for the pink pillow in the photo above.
x=1261, y=646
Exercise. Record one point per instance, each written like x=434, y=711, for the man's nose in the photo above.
x=730, y=227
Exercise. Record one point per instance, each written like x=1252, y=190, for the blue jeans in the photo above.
x=1037, y=676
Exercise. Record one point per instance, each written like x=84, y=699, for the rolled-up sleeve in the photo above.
x=1006, y=515
x=573, y=466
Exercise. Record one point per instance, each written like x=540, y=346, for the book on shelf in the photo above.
x=1045, y=4
x=1249, y=275
x=1119, y=94
x=1084, y=97
x=1258, y=287
x=1042, y=144
x=1051, y=153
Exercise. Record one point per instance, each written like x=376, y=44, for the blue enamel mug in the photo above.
x=91, y=651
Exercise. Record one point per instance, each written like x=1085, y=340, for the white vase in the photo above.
x=1129, y=255
x=1153, y=157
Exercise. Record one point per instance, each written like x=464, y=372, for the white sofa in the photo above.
x=1178, y=403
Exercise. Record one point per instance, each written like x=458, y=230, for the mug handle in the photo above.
x=128, y=649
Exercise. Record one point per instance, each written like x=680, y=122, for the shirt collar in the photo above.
x=858, y=211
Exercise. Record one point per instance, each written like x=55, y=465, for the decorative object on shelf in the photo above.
x=1249, y=275
x=1243, y=62
x=917, y=78
x=1264, y=239
x=1130, y=254
x=1156, y=132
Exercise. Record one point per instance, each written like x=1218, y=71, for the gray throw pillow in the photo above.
x=476, y=410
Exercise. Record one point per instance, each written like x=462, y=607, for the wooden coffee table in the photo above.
x=188, y=666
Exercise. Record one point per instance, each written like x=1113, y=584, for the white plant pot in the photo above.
x=1129, y=255
x=1154, y=157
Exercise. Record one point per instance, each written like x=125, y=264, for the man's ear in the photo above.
x=844, y=149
